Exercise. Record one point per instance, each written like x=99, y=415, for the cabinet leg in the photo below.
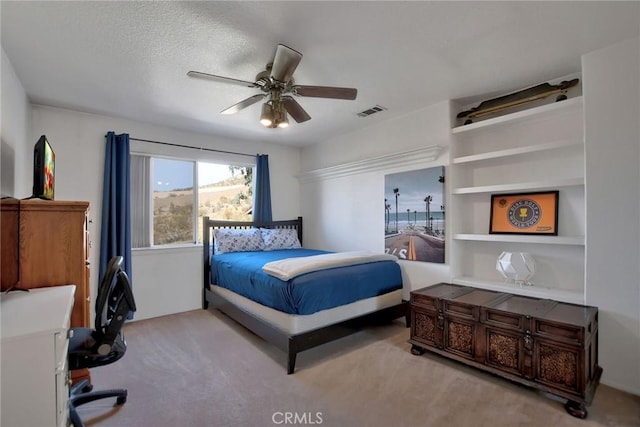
x=577, y=409
x=415, y=350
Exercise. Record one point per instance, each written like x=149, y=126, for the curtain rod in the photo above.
x=192, y=147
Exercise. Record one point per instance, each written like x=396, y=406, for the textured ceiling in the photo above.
x=130, y=59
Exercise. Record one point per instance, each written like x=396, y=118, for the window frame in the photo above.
x=180, y=154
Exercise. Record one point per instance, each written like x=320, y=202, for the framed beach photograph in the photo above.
x=414, y=225
x=524, y=213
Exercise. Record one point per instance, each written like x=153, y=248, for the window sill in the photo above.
x=157, y=250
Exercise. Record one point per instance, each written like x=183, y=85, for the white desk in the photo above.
x=34, y=370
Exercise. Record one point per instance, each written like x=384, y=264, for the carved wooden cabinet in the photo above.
x=541, y=343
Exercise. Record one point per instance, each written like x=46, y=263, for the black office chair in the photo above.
x=89, y=348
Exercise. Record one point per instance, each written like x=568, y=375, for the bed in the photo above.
x=302, y=318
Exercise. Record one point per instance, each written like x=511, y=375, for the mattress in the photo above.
x=241, y=272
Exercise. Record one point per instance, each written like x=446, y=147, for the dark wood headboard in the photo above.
x=208, y=225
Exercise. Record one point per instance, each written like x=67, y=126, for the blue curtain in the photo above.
x=115, y=236
x=262, y=198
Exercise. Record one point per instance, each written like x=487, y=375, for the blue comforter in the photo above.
x=308, y=293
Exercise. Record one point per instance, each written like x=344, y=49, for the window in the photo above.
x=164, y=192
x=224, y=192
x=173, y=201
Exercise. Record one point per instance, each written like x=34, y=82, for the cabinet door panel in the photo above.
x=459, y=337
x=424, y=327
x=505, y=350
x=558, y=365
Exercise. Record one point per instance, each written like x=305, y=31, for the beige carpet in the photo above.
x=202, y=369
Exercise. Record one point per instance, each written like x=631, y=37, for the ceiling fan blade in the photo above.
x=326, y=92
x=220, y=79
x=243, y=104
x=285, y=63
x=295, y=110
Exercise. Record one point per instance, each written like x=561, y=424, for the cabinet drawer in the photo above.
x=468, y=305
x=424, y=300
x=61, y=347
x=62, y=396
x=462, y=310
x=430, y=296
x=503, y=319
x=557, y=331
x=569, y=323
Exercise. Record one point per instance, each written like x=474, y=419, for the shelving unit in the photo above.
x=541, y=112
x=547, y=240
x=537, y=149
x=517, y=151
x=521, y=186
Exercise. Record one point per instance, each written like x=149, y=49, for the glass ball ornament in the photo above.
x=517, y=267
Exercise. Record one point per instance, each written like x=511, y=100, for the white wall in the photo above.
x=164, y=281
x=612, y=151
x=343, y=213
x=346, y=212
x=15, y=115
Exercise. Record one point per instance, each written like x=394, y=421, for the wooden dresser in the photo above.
x=52, y=250
x=545, y=344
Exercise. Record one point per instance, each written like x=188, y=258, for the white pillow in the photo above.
x=280, y=238
x=237, y=240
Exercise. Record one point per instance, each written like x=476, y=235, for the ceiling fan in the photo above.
x=277, y=83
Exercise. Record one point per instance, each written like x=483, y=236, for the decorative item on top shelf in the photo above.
x=524, y=213
x=517, y=267
x=524, y=96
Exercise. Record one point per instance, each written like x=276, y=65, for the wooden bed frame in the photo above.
x=290, y=344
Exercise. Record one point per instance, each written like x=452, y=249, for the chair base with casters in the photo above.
x=81, y=393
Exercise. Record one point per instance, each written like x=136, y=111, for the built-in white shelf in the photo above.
x=522, y=238
x=536, y=291
x=536, y=112
x=540, y=148
x=518, y=151
x=521, y=186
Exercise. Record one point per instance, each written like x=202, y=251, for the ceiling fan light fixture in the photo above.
x=280, y=115
x=266, y=118
x=283, y=122
x=274, y=115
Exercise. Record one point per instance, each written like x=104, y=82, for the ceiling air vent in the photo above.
x=371, y=111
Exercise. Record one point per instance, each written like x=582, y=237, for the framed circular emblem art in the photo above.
x=524, y=213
